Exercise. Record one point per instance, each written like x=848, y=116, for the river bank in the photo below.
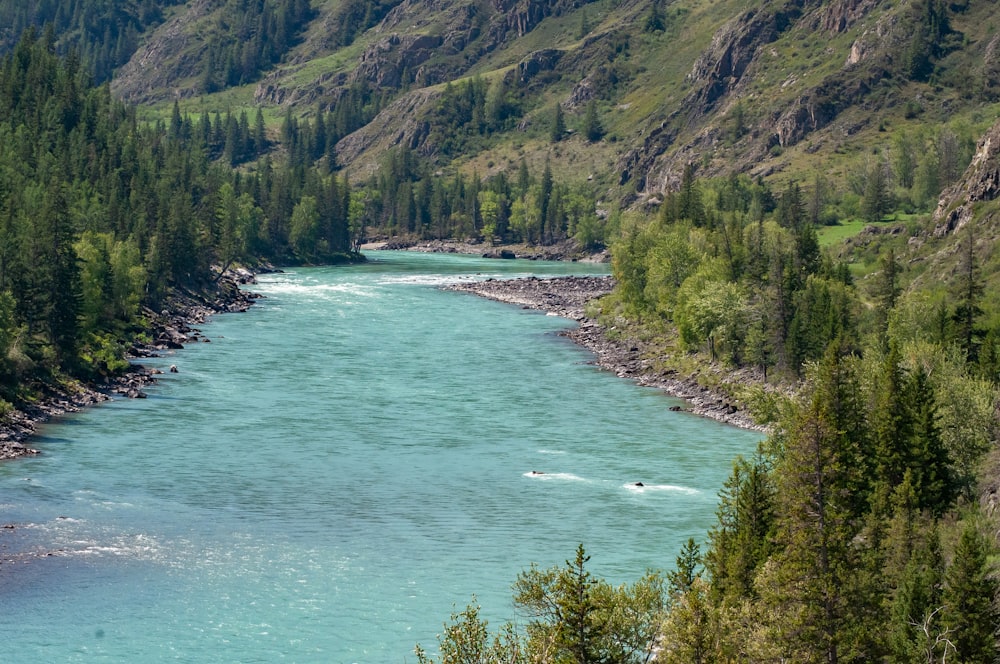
x=626, y=356
x=170, y=329
x=567, y=250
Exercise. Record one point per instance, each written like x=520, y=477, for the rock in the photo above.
x=981, y=182
x=840, y=15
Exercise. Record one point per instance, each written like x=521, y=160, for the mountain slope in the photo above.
x=779, y=85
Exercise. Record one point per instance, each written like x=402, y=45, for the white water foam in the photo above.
x=74, y=537
x=323, y=292
x=434, y=279
x=672, y=488
x=538, y=475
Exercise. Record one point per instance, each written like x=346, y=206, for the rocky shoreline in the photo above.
x=567, y=250
x=626, y=357
x=170, y=329
x=176, y=326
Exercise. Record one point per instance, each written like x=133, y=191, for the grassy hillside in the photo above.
x=778, y=88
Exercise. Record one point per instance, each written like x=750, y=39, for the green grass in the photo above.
x=831, y=235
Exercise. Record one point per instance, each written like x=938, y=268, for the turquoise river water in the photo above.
x=337, y=471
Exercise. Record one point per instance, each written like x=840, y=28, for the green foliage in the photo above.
x=576, y=618
x=875, y=203
x=103, y=35
x=655, y=21
x=690, y=628
x=714, y=311
x=11, y=333
x=682, y=579
x=829, y=548
x=821, y=495
x=113, y=280
x=753, y=290
x=592, y=129
x=470, y=111
x=930, y=29
x=907, y=437
x=405, y=197
x=916, y=630
x=489, y=211
x=970, y=598
x=101, y=214
x=304, y=229
x=466, y=640
x=249, y=37
x=742, y=539
x=558, y=130
x=353, y=17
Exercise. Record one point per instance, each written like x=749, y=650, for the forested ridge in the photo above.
x=101, y=214
x=104, y=34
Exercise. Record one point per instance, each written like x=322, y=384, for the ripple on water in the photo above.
x=350, y=466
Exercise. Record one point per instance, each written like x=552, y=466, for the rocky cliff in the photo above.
x=730, y=86
x=980, y=184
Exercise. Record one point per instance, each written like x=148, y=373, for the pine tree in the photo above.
x=968, y=292
x=558, y=124
x=916, y=632
x=814, y=591
x=937, y=485
x=686, y=204
x=970, y=598
x=742, y=539
x=577, y=632
x=654, y=19
x=592, y=129
x=875, y=203
x=688, y=561
x=886, y=292
x=892, y=426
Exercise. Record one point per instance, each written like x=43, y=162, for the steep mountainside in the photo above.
x=760, y=87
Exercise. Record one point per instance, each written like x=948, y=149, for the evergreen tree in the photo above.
x=968, y=292
x=682, y=579
x=686, y=203
x=814, y=593
x=916, y=632
x=558, y=124
x=592, y=128
x=875, y=203
x=742, y=540
x=886, y=292
x=970, y=598
x=936, y=484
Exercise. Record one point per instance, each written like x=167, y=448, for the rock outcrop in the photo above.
x=980, y=183
x=726, y=70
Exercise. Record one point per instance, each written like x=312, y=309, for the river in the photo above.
x=342, y=467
